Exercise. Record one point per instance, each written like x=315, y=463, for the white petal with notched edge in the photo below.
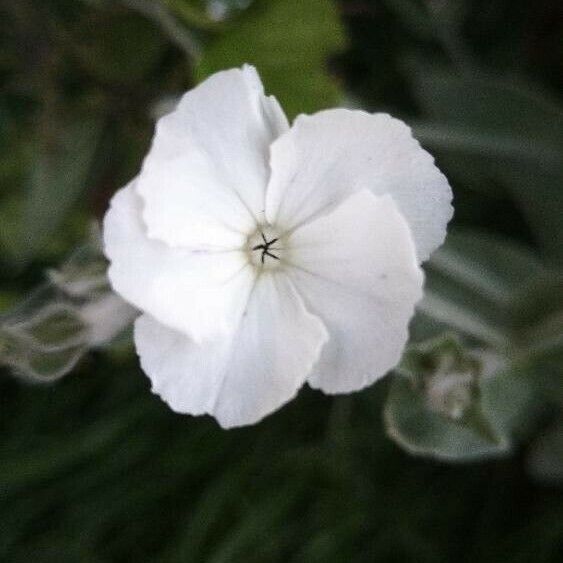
x=262, y=257
x=326, y=157
x=241, y=378
x=357, y=270
x=207, y=170
x=200, y=293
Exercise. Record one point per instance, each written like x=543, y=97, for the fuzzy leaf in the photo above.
x=46, y=345
x=421, y=431
x=538, y=333
x=470, y=283
x=435, y=405
x=517, y=130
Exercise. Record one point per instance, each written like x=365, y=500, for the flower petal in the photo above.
x=326, y=157
x=242, y=378
x=208, y=165
x=200, y=293
x=356, y=269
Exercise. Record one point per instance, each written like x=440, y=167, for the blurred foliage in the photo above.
x=95, y=468
x=437, y=407
x=480, y=371
x=289, y=42
x=58, y=176
x=510, y=131
x=44, y=337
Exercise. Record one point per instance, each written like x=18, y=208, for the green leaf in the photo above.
x=38, y=363
x=41, y=464
x=512, y=403
x=84, y=273
x=59, y=175
x=10, y=233
x=421, y=431
x=475, y=141
x=539, y=193
x=453, y=403
x=177, y=33
x=538, y=332
x=43, y=337
x=192, y=13
x=289, y=42
x=537, y=308
x=119, y=48
x=518, y=131
x=491, y=104
x=46, y=344
x=413, y=16
x=545, y=461
x=470, y=282
x=501, y=298
x=55, y=326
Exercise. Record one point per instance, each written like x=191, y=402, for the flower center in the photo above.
x=265, y=247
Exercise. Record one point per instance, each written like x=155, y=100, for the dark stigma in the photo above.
x=265, y=248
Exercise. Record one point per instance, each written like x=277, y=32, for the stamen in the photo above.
x=265, y=248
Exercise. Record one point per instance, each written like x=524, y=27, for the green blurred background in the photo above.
x=94, y=468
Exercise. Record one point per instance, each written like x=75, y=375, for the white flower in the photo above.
x=264, y=256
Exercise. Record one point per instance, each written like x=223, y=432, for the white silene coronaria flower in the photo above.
x=264, y=256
